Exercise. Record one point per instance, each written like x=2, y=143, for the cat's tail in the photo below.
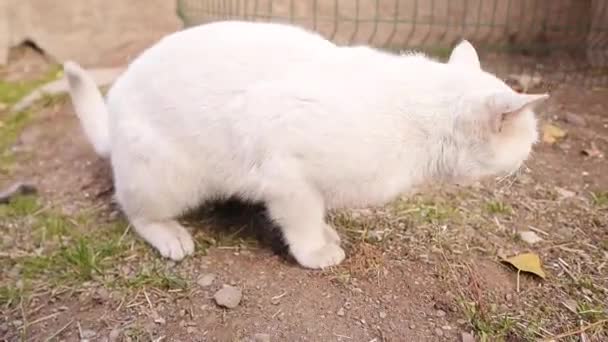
x=90, y=107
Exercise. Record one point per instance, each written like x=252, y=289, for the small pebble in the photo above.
x=340, y=312
x=438, y=332
x=467, y=337
x=206, y=280
x=440, y=313
x=158, y=319
x=228, y=297
x=114, y=335
x=87, y=334
x=575, y=119
x=412, y=326
x=382, y=315
x=261, y=338
x=446, y=327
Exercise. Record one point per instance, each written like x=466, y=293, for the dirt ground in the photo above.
x=425, y=268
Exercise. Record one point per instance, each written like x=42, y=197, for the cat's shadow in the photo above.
x=230, y=219
x=234, y=220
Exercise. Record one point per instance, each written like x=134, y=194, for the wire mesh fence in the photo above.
x=552, y=41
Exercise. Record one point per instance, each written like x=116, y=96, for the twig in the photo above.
x=148, y=300
x=42, y=319
x=24, y=317
x=576, y=332
x=124, y=234
x=276, y=313
x=279, y=296
x=343, y=336
x=564, y=266
x=540, y=231
x=56, y=333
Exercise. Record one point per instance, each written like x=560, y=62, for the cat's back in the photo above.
x=198, y=65
x=234, y=47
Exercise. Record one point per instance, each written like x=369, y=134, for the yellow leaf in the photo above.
x=527, y=262
x=552, y=133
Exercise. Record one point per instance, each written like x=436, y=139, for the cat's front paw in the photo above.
x=331, y=234
x=330, y=254
x=176, y=246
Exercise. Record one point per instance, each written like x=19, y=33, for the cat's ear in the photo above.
x=464, y=54
x=504, y=106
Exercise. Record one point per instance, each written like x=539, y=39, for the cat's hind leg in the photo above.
x=153, y=195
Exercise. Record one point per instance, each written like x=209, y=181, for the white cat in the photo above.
x=275, y=114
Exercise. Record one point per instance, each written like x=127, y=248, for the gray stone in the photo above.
x=228, y=297
x=206, y=280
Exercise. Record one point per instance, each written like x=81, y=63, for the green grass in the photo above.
x=600, y=199
x=590, y=312
x=12, y=92
x=488, y=326
x=496, y=207
x=427, y=211
x=69, y=251
x=20, y=206
x=12, y=124
x=72, y=251
x=156, y=277
x=10, y=295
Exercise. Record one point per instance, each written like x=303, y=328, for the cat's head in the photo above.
x=494, y=126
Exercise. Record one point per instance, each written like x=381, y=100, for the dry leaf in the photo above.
x=527, y=262
x=552, y=133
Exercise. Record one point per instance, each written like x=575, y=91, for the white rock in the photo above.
x=530, y=237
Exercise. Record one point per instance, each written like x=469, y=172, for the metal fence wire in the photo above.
x=550, y=41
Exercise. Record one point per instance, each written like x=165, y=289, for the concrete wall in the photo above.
x=92, y=32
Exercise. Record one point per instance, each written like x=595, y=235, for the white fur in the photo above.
x=273, y=113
